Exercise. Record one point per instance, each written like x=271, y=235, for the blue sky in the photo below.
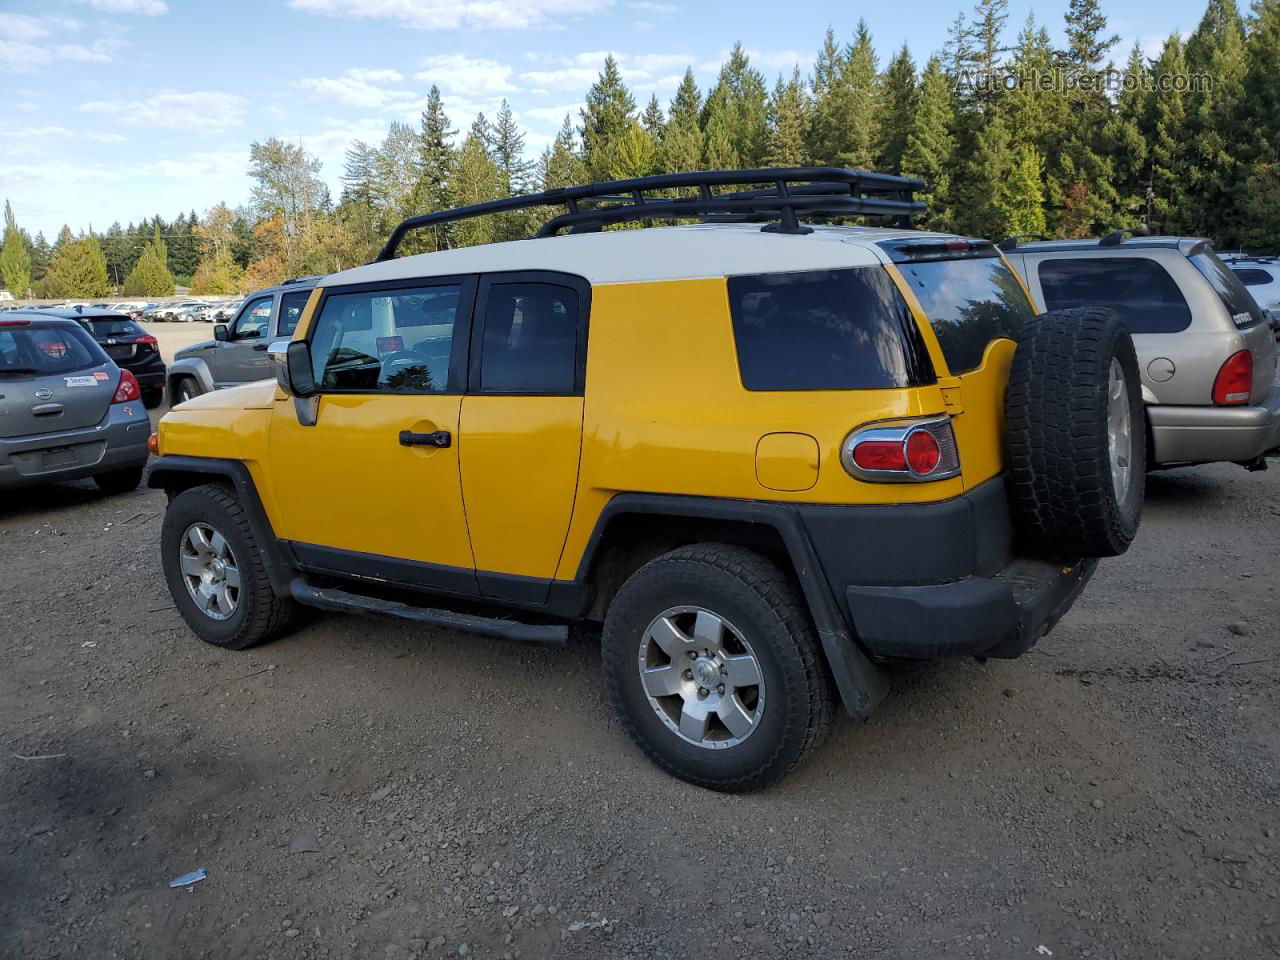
x=119, y=109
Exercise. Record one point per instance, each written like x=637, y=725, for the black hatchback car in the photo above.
x=131, y=347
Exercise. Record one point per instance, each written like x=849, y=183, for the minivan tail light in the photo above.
x=127, y=389
x=903, y=453
x=1234, y=382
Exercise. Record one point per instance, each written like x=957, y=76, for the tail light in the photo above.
x=148, y=339
x=906, y=453
x=15, y=323
x=1234, y=382
x=127, y=389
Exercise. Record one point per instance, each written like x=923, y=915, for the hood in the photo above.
x=192, y=349
x=247, y=396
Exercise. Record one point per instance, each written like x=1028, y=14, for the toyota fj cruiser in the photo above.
x=767, y=457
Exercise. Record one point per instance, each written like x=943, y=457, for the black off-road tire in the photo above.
x=260, y=615
x=182, y=388
x=1063, y=497
x=152, y=397
x=767, y=607
x=119, y=481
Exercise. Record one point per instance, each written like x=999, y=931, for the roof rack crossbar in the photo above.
x=811, y=191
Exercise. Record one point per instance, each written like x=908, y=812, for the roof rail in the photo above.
x=813, y=192
x=1011, y=243
x=285, y=283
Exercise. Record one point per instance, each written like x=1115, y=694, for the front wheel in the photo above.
x=712, y=663
x=183, y=389
x=216, y=572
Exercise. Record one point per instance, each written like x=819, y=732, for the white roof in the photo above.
x=656, y=253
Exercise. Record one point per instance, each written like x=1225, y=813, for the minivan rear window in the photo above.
x=825, y=330
x=1252, y=277
x=970, y=302
x=1239, y=302
x=1144, y=296
x=41, y=350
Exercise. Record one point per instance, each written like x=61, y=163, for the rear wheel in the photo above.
x=152, y=398
x=1076, y=436
x=119, y=481
x=712, y=663
x=216, y=572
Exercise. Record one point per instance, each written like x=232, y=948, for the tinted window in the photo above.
x=825, y=330
x=291, y=307
x=970, y=302
x=1239, y=302
x=530, y=339
x=395, y=341
x=1141, y=291
x=253, y=321
x=1252, y=277
x=111, y=327
x=44, y=350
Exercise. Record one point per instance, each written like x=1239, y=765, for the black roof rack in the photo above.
x=811, y=192
x=1011, y=243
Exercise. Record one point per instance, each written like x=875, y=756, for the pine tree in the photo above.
x=788, y=123
x=986, y=51
x=150, y=276
x=1087, y=41
x=1130, y=153
x=506, y=146
x=15, y=260
x=1021, y=197
x=634, y=155
x=978, y=209
x=681, y=150
x=1260, y=126
x=843, y=131
x=78, y=269
x=41, y=254
x=476, y=179
x=1166, y=136
x=929, y=150
x=358, y=174
x=653, y=120
x=739, y=98
x=897, y=102
x=561, y=165
x=605, y=118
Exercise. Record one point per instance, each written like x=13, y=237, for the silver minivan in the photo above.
x=1205, y=348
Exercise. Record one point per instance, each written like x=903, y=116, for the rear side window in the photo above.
x=385, y=341
x=112, y=327
x=1140, y=290
x=291, y=307
x=1252, y=277
x=46, y=350
x=970, y=302
x=1239, y=302
x=530, y=339
x=825, y=330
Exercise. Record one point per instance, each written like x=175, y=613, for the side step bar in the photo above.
x=331, y=598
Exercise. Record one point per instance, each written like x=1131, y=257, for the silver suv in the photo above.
x=1205, y=349
x=1261, y=275
x=238, y=351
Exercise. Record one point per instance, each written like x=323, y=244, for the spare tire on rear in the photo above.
x=1076, y=437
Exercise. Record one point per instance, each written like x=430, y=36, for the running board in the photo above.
x=331, y=598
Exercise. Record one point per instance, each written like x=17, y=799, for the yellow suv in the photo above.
x=767, y=457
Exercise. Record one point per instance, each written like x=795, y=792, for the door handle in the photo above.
x=260, y=347
x=440, y=438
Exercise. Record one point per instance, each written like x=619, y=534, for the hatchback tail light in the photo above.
x=151, y=340
x=1234, y=382
x=127, y=389
x=905, y=453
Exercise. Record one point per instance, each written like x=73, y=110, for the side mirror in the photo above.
x=297, y=364
x=220, y=332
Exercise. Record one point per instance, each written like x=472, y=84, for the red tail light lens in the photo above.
x=15, y=323
x=1234, y=382
x=150, y=340
x=127, y=389
x=911, y=452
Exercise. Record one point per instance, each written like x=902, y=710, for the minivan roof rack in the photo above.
x=812, y=192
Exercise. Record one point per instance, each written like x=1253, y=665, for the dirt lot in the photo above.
x=369, y=789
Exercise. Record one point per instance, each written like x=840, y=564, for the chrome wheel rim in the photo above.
x=210, y=571
x=1119, y=430
x=701, y=677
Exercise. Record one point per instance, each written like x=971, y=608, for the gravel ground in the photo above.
x=369, y=789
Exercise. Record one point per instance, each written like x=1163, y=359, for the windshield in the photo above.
x=106, y=327
x=1239, y=302
x=42, y=350
x=970, y=302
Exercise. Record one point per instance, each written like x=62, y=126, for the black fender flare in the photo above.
x=174, y=474
x=862, y=685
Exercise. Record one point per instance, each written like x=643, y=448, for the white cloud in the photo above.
x=358, y=87
x=205, y=110
x=656, y=9
x=455, y=14
x=458, y=72
x=145, y=8
x=29, y=42
x=579, y=71
x=551, y=116
x=200, y=165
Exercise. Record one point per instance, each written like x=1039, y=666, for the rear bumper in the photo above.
x=1185, y=434
x=118, y=442
x=1000, y=616
x=923, y=581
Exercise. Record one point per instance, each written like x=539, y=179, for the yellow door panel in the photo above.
x=347, y=482
x=519, y=474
